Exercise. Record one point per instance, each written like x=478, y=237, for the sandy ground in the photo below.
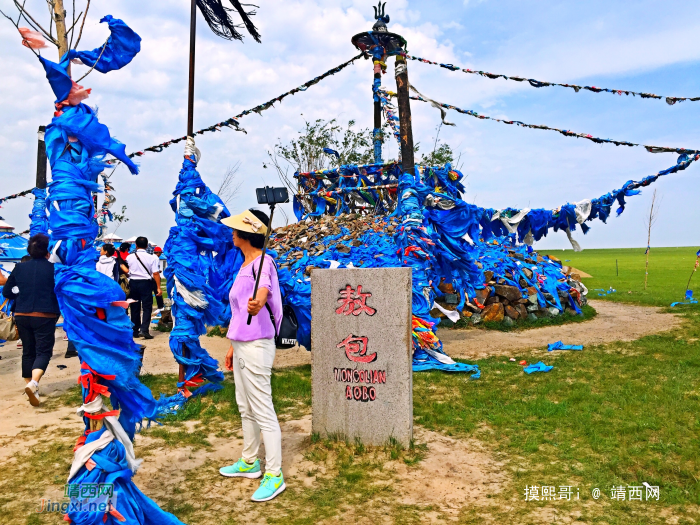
x=614, y=322
x=469, y=474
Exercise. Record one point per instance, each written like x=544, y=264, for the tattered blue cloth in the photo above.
x=561, y=346
x=605, y=292
x=76, y=144
x=198, y=281
x=537, y=367
x=39, y=218
x=120, y=49
x=688, y=296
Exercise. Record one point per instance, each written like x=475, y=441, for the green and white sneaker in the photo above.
x=241, y=469
x=270, y=487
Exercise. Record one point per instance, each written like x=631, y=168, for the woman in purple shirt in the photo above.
x=251, y=355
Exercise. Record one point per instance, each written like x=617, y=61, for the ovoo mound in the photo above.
x=466, y=261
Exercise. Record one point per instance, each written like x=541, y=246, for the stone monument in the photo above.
x=361, y=351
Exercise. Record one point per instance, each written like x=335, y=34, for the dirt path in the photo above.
x=471, y=473
x=17, y=414
x=614, y=322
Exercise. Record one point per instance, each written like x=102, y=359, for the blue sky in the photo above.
x=649, y=46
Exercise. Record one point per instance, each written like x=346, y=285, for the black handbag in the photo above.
x=287, y=335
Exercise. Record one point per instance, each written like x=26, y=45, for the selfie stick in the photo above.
x=262, y=257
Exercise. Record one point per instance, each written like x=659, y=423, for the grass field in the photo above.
x=620, y=414
x=669, y=270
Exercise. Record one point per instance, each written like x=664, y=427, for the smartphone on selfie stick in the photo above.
x=271, y=197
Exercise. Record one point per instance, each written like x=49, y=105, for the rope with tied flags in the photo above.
x=568, y=133
x=233, y=121
x=13, y=235
x=539, y=84
x=16, y=195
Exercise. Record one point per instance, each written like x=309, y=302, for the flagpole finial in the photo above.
x=382, y=19
x=379, y=41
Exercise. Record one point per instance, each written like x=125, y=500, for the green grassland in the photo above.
x=610, y=415
x=669, y=270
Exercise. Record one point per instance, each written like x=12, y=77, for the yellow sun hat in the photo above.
x=245, y=222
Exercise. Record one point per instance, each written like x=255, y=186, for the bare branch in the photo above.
x=17, y=26
x=19, y=18
x=36, y=24
x=281, y=172
x=50, y=5
x=286, y=217
x=104, y=46
x=75, y=21
x=230, y=187
x=80, y=33
x=653, y=213
x=73, y=26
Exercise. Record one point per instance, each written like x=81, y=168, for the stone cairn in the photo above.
x=505, y=303
x=344, y=237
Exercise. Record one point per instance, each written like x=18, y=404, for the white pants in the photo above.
x=252, y=367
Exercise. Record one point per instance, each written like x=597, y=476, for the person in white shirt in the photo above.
x=107, y=264
x=144, y=280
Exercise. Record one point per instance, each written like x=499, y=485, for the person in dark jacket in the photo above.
x=31, y=285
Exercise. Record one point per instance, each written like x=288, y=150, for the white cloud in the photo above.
x=145, y=103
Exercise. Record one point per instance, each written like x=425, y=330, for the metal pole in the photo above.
x=262, y=257
x=404, y=103
x=41, y=160
x=190, y=126
x=190, y=95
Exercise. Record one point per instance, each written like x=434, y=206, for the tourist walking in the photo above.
x=121, y=254
x=107, y=263
x=144, y=280
x=31, y=285
x=251, y=355
x=160, y=303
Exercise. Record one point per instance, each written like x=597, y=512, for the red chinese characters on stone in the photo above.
x=354, y=303
x=356, y=349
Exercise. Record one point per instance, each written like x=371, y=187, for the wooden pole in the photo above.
x=59, y=17
x=190, y=122
x=190, y=95
x=41, y=160
x=377, y=122
x=404, y=103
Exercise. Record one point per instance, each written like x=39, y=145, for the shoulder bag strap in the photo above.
x=144, y=266
x=272, y=316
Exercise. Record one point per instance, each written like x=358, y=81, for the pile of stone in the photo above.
x=344, y=239
x=338, y=235
x=500, y=302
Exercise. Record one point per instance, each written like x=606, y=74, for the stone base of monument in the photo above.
x=362, y=380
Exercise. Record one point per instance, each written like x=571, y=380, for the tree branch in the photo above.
x=104, y=46
x=50, y=5
x=73, y=27
x=80, y=34
x=229, y=186
x=17, y=26
x=19, y=18
x=36, y=24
